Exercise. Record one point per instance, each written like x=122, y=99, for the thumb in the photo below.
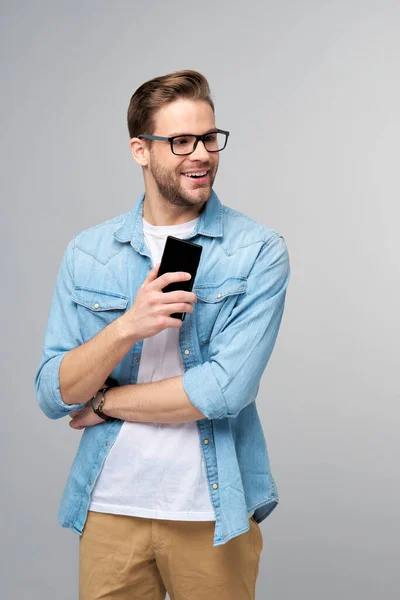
x=153, y=274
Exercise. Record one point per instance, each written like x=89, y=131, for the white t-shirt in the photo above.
x=156, y=470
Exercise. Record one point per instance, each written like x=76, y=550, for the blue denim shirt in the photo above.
x=225, y=346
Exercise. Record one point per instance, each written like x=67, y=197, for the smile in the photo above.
x=199, y=176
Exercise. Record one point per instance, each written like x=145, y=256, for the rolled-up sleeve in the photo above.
x=62, y=335
x=238, y=354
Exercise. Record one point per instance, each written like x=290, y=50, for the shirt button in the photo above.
x=149, y=267
x=106, y=443
x=90, y=482
x=187, y=352
x=215, y=485
x=205, y=441
x=137, y=358
x=219, y=295
x=96, y=305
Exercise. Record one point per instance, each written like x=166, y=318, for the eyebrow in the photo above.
x=183, y=133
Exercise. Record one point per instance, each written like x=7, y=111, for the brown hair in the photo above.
x=156, y=93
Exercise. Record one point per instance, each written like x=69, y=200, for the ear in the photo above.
x=139, y=151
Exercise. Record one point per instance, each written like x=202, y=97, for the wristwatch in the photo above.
x=97, y=404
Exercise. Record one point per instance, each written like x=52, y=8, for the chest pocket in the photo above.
x=97, y=308
x=215, y=301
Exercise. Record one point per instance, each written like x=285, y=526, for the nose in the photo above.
x=200, y=153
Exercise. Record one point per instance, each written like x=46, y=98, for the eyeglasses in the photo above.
x=214, y=141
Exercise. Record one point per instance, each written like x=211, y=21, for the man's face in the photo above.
x=166, y=170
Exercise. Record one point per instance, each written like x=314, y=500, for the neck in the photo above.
x=161, y=212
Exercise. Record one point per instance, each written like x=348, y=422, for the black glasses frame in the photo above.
x=197, y=140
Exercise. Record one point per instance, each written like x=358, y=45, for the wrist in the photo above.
x=125, y=331
x=98, y=402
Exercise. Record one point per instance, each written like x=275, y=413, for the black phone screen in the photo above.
x=180, y=255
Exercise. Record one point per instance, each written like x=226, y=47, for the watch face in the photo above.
x=96, y=400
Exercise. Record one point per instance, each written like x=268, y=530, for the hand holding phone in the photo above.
x=155, y=303
x=180, y=255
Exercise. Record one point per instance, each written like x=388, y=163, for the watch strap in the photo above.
x=99, y=409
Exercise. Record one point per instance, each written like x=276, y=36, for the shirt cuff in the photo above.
x=54, y=400
x=204, y=392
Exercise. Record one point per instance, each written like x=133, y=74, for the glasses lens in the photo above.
x=183, y=144
x=214, y=142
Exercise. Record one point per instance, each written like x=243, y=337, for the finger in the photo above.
x=174, y=322
x=177, y=307
x=153, y=274
x=74, y=413
x=159, y=283
x=180, y=296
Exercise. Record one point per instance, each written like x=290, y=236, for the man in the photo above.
x=172, y=474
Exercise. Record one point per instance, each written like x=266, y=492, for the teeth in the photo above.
x=195, y=174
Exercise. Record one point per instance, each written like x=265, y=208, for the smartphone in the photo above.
x=180, y=255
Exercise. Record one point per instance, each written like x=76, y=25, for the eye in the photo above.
x=182, y=141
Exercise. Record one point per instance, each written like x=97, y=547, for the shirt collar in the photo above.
x=210, y=223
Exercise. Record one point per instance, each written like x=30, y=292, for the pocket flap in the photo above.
x=98, y=299
x=216, y=292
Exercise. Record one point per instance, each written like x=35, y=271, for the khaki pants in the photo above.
x=135, y=558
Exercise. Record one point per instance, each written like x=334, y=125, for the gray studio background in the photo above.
x=311, y=93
